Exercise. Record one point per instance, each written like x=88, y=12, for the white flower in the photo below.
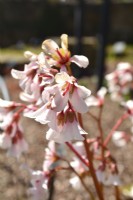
x=51, y=160
x=12, y=137
x=69, y=90
x=68, y=128
x=61, y=56
x=70, y=131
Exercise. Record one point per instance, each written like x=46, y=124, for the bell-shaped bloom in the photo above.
x=68, y=128
x=61, y=57
x=12, y=137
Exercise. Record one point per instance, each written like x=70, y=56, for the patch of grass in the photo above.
x=126, y=57
x=12, y=54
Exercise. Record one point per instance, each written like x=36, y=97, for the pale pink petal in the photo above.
x=26, y=97
x=49, y=46
x=62, y=77
x=78, y=103
x=18, y=74
x=31, y=56
x=81, y=61
x=5, y=141
x=60, y=101
x=5, y=103
x=64, y=41
x=70, y=132
x=92, y=101
x=83, y=91
x=102, y=92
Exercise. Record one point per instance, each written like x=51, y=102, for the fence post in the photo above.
x=103, y=42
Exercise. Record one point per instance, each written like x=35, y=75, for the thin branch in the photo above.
x=116, y=126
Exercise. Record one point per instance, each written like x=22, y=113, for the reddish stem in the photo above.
x=90, y=159
x=118, y=123
x=77, y=154
x=101, y=132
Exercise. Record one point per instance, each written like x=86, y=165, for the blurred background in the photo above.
x=92, y=25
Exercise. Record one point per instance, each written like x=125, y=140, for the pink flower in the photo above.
x=38, y=71
x=120, y=81
x=68, y=128
x=12, y=137
x=61, y=57
x=52, y=157
x=67, y=90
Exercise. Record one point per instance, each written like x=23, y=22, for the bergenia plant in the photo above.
x=52, y=96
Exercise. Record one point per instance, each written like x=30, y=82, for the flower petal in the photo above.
x=62, y=77
x=78, y=103
x=64, y=41
x=49, y=46
x=81, y=61
x=70, y=132
x=18, y=74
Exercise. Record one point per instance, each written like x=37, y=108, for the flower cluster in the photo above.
x=120, y=81
x=55, y=95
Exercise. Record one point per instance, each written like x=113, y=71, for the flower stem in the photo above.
x=117, y=193
x=77, y=154
x=118, y=123
x=91, y=167
x=101, y=132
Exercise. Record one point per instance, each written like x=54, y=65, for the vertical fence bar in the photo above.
x=78, y=29
x=103, y=42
